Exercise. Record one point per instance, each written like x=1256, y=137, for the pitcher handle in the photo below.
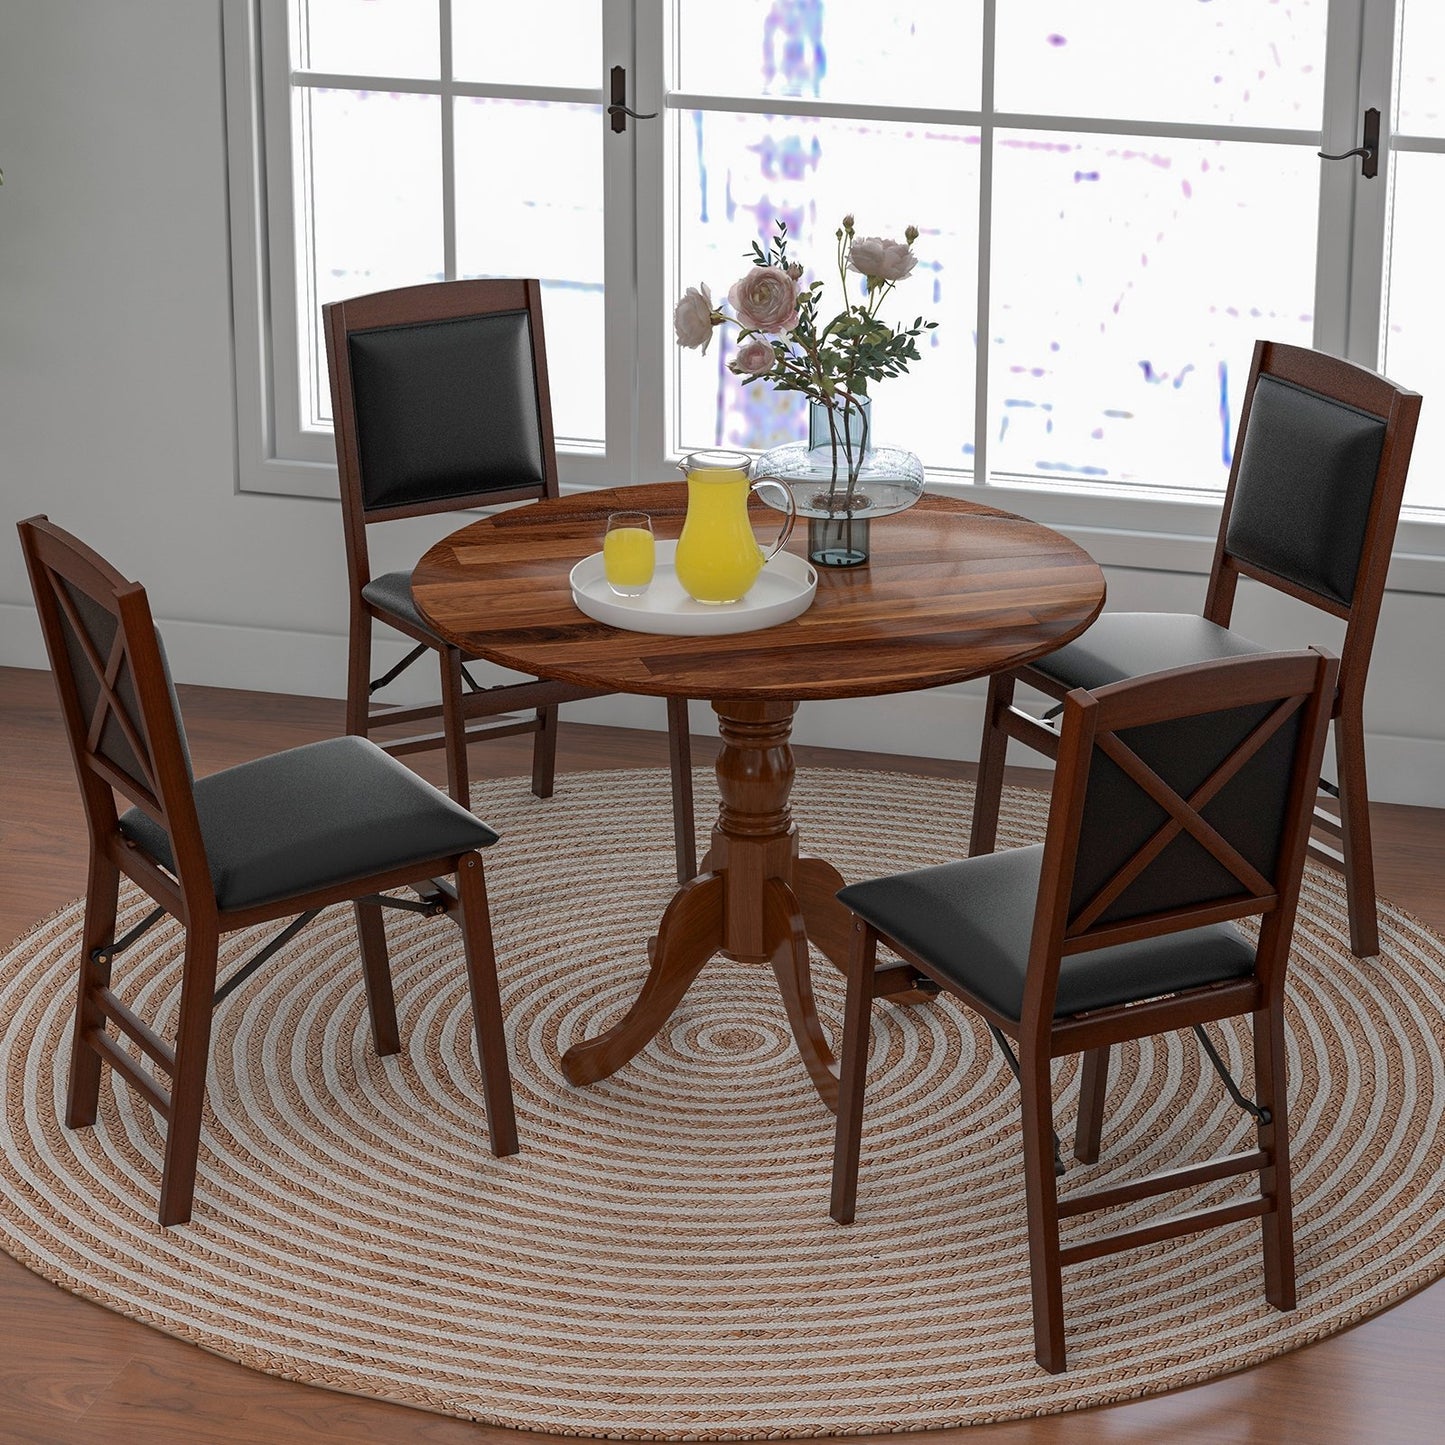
x=792, y=515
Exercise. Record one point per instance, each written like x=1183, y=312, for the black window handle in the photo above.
x=619, y=110
x=1368, y=150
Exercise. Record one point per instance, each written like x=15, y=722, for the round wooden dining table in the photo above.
x=954, y=590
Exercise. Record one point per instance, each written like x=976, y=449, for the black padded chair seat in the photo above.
x=312, y=817
x=972, y=920
x=1121, y=645
x=392, y=593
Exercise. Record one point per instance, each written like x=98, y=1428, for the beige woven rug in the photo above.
x=658, y=1261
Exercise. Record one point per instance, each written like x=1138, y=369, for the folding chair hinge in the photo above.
x=261, y=955
x=431, y=901
x=1013, y=1062
x=108, y=951
x=1261, y=1116
x=434, y=902
x=377, y=683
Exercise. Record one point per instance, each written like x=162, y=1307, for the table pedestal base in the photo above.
x=756, y=900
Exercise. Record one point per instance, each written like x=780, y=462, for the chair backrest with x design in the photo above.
x=1169, y=817
x=117, y=699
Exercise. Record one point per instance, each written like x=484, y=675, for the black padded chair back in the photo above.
x=1304, y=488
x=117, y=697
x=447, y=410
x=440, y=400
x=1188, y=801
x=90, y=631
x=1121, y=817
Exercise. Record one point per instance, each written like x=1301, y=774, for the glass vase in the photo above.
x=841, y=480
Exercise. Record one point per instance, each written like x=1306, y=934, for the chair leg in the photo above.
x=1355, y=844
x=476, y=925
x=1093, y=1086
x=679, y=757
x=1277, y=1227
x=544, y=752
x=992, y=753
x=1041, y=1189
x=101, y=892
x=376, y=966
x=188, y=1086
x=454, y=726
x=853, y=1070
x=358, y=674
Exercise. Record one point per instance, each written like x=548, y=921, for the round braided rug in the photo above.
x=658, y=1260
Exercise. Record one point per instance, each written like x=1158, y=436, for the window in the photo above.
x=1114, y=202
x=1413, y=309
x=410, y=142
x=1122, y=196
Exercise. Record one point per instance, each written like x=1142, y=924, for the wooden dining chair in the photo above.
x=1311, y=508
x=280, y=837
x=1181, y=803
x=441, y=404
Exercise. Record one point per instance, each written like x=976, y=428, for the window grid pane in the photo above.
x=370, y=210
x=740, y=174
x=1415, y=313
x=379, y=37
x=1128, y=288
x=1228, y=62
x=502, y=45
x=850, y=51
x=1420, y=85
x=1128, y=282
x=516, y=219
x=373, y=207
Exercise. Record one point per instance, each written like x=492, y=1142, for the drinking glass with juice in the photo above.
x=628, y=553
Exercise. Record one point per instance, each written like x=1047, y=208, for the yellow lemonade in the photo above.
x=718, y=558
x=627, y=557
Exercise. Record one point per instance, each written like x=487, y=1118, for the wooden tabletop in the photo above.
x=954, y=590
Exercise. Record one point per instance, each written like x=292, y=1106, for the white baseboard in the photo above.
x=938, y=723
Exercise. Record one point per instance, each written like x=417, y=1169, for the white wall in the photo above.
x=116, y=415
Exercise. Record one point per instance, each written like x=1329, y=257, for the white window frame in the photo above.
x=1137, y=529
x=279, y=450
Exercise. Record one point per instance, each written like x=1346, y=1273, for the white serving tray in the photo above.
x=784, y=588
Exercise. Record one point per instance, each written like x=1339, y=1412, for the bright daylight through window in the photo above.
x=1114, y=201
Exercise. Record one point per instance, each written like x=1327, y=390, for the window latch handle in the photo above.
x=619, y=110
x=1368, y=150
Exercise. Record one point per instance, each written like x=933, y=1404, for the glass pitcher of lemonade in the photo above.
x=718, y=558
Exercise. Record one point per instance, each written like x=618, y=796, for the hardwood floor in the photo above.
x=70, y=1370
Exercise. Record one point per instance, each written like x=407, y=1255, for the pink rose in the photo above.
x=766, y=299
x=754, y=358
x=692, y=319
x=881, y=260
